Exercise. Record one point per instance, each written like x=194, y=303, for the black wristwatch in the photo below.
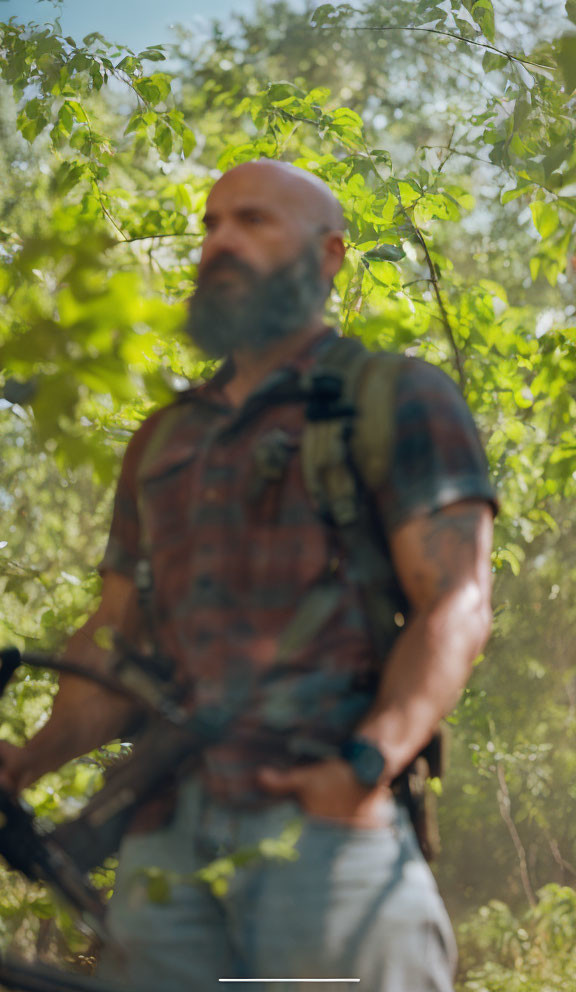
x=365, y=759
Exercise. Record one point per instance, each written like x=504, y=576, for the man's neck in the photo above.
x=252, y=367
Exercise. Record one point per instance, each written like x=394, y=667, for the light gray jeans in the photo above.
x=356, y=903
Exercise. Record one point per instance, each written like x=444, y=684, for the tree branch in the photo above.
x=152, y=237
x=504, y=806
x=445, y=320
x=558, y=857
x=439, y=300
x=92, y=166
x=455, y=37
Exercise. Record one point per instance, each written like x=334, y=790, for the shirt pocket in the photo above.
x=288, y=546
x=165, y=494
x=270, y=467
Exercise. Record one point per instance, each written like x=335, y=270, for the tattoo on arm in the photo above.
x=448, y=545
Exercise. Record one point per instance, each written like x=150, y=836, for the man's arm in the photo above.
x=85, y=715
x=443, y=563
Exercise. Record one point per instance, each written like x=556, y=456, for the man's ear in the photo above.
x=334, y=252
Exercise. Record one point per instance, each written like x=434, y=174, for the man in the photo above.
x=233, y=554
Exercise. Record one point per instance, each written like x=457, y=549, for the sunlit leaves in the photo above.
x=153, y=89
x=328, y=15
x=389, y=253
x=567, y=60
x=482, y=12
x=525, y=951
x=545, y=217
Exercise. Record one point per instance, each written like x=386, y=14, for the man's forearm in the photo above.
x=424, y=677
x=82, y=719
x=84, y=716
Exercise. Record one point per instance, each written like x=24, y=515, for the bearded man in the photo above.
x=232, y=559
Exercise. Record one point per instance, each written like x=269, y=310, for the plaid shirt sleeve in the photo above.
x=437, y=457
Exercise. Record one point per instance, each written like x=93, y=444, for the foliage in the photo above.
x=533, y=953
x=218, y=874
x=454, y=157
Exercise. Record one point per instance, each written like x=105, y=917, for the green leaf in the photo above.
x=153, y=54
x=513, y=194
x=97, y=77
x=159, y=886
x=566, y=54
x=492, y=61
x=323, y=14
x=571, y=10
x=80, y=61
x=32, y=108
x=507, y=555
x=387, y=253
x=522, y=109
x=81, y=140
x=68, y=175
x=66, y=117
x=163, y=139
x=89, y=39
x=135, y=123
x=188, y=142
x=278, y=92
x=345, y=115
x=154, y=89
x=545, y=217
x=77, y=109
x=319, y=95
x=130, y=64
x=483, y=13
x=30, y=129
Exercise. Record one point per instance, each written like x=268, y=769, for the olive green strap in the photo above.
x=325, y=458
x=313, y=612
x=350, y=442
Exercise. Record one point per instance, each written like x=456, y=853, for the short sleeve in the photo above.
x=436, y=456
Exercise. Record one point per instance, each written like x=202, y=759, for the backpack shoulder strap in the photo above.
x=350, y=425
x=373, y=435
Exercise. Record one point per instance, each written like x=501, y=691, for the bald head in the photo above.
x=267, y=213
x=301, y=191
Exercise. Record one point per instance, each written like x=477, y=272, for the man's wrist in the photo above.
x=365, y=759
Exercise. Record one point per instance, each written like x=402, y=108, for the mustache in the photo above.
x=226, y=261
x=268, y=308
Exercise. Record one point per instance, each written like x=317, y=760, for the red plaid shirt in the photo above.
x=233, y=555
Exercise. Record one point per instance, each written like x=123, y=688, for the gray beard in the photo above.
x=271, y=308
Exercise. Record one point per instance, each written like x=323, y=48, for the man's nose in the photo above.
x=223, y=239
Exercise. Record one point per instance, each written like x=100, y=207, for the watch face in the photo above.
x=366, y=760
x=370, y=765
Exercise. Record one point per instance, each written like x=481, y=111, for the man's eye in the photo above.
x=255, y=218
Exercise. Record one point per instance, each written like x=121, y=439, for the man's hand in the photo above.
x=329, y=790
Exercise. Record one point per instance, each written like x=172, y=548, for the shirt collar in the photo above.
x=212, y=389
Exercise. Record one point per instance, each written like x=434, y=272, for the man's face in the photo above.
x=259, y=277
x=247, y=216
